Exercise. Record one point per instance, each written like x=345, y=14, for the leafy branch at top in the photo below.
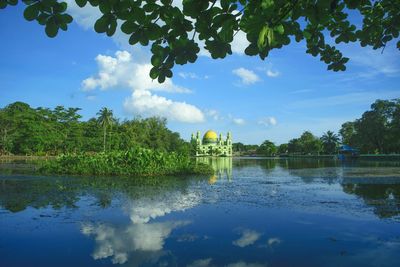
x=268, y=25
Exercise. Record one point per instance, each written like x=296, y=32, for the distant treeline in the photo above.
x=41, y=131
x=376, y=132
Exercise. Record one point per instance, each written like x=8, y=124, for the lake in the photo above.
x=252, y=212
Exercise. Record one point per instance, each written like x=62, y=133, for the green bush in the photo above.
x=134, y=162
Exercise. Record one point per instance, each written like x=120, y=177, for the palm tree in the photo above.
x=106, y=119
x=330, y=141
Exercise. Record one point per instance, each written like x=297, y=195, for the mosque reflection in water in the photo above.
x=222, y=167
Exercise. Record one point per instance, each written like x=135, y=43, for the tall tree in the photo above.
x=267, y=148
x=347, y=133
x=283, y=148
x=310, y=143
x=329, y=141
x=106, y=119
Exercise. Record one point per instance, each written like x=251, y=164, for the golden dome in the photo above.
x=210, y=137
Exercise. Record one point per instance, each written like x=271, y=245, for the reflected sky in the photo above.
x=251, y=212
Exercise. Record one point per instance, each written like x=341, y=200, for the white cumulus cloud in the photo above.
x=238, y=121
x=214, y=114
x=143, y=102
x=268, y=121
x=239, y=43
x=246, y=76
x=188, y=75
x=273, y=74
x=122, y=71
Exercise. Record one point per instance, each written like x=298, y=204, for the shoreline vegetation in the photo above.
x=134, y=162
x=57, y=141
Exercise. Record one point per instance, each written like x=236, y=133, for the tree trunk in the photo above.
x=104, y=139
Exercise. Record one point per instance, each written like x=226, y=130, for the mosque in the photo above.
x=212, y=145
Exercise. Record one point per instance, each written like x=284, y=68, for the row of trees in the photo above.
x=42, y=131
x=307, y=143
x=376, y=132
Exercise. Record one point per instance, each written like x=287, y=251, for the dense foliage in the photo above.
x=176, y=29
x=378, y=129
x=42, y=131
x=242, y=149
x=133, y=162
x=376, y=132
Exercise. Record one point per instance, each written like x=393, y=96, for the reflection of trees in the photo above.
x=285, y=163
x=16, y=194
x=383, y=198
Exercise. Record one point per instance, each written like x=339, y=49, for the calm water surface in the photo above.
x=252, y=212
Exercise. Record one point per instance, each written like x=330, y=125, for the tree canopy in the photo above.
x=378, y=129
x=43, y=131
x=176, y=30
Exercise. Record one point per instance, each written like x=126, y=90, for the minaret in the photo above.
x=198, y=139
x=229, y=139
x=229, y=143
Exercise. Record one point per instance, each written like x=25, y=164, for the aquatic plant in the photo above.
x=136, y=161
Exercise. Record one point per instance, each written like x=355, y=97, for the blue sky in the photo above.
x=275, y=99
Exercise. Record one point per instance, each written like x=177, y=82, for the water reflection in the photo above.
x=222, y=167
x=256, y=212
x=136, y=242
x=248, y=237
x=19, y=192
x=383, y=198
x=144, y=236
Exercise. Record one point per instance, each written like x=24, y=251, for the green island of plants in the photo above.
x=133, y=162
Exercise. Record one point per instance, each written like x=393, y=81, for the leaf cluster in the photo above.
x=176, y=33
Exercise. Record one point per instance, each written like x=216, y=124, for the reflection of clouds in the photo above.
x=119, y=242
x=245, y=264
x=200, y=263
x=207, y=263
x=273, y=241
x=143, y=239
x=248, y=238
x=142, y=210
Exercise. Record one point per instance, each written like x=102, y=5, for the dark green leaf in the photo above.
x=101, y=24
x=60, y=7
x=3, y=4
x=112, y=28
x=66, y=18
x=51, y=28
x=81, y=3
x=31, y=12
x=154, y=72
